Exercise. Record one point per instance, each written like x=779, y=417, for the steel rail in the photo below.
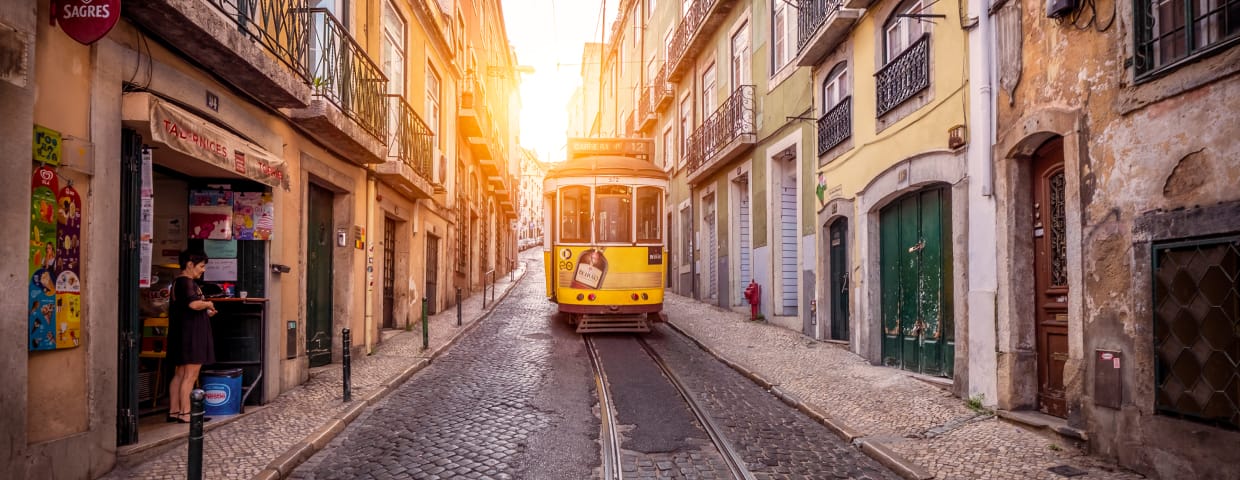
x=735, y=462
x=608, y=436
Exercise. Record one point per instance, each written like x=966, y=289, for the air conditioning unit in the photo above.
x=1059, y=8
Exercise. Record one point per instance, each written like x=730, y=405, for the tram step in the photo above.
x=613, y=323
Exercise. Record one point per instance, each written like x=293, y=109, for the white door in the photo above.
x=788, y=244
x=742, y=233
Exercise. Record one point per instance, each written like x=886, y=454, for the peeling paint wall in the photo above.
x=1146, y=149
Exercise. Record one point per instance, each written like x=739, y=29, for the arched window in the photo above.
x=835, y=87
x=901, y=31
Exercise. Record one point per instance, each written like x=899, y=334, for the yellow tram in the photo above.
x=603, y=248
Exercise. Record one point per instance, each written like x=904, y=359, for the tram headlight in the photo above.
x=582, y=296
x=592, y=297
x=634, y=296
x=645, y=296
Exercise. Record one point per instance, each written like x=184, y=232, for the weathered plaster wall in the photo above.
x=1157, y=146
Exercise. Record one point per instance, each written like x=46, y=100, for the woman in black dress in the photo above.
x=189, y=333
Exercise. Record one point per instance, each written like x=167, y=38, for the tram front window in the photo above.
x=649, y=201
x=575, y=214
x=613, y=214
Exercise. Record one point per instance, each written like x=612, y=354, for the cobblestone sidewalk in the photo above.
x=275, y=438
x=887, y=412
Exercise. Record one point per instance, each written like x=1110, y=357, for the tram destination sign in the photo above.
x=640, y=148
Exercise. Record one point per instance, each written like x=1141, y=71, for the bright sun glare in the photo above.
x=549, y=35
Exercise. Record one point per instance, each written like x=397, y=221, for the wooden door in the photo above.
x=389, y=272
x=1050, y=275
x=742, y=228
x=432, y=273
x=837, y=287
x=319, y=241
x=915, y=262
x=129, y=321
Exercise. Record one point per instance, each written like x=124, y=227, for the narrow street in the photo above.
x=515, y=399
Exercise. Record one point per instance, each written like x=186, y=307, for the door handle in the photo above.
x=917, y=248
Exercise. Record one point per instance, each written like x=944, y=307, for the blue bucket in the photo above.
x=223, y=391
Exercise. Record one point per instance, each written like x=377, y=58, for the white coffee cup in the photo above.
x=243, y=294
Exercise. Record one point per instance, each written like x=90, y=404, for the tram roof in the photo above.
x=606, y=165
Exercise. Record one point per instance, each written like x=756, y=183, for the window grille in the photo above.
x=1169, y=32
x=1197, y=330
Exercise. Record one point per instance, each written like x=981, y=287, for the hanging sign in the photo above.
x=86, y=20
x=189, y=134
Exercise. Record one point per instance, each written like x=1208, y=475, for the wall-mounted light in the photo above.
x=956, y=136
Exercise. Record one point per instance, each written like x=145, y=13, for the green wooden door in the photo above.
x=915, y=262
x=319, y=276
x=837, y=291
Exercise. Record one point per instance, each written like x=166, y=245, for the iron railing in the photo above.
x=412, y=141
x=662, y=89
x=341, y=72
x=1168, y=34
x=273, y=24
x=835, y=126
x=904, y=76
x=811, y=16
x=730, y=121
x=645, y=105
x=688, y=26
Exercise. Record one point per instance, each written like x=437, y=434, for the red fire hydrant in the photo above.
x=753, y=294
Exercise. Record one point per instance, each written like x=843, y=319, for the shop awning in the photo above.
x=197, y=137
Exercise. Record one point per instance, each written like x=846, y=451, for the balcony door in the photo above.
x=393, y=57
x=323, y=50
x=834, y=88
x=740, y=57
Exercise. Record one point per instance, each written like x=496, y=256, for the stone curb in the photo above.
x=878, y=452
x=283, y=465
x=894, y=461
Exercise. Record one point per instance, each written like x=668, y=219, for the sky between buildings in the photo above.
x=548, y=35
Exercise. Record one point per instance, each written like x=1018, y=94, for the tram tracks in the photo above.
x=611, y=452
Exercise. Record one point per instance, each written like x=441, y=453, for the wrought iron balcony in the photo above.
x=258, y=46
x=409, y=166
x=821, y=26
x=341, y=72
x=663, y=90
x=474, y=118
x=725, y=134
x=835, y=126
x=703, y=17
x=904, y=76
x=645, y=109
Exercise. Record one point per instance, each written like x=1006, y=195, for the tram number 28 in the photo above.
x=566, y=265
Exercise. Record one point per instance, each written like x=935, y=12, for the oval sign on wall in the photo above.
x=86, y=20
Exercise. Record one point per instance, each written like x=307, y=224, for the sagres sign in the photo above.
x=86, y=20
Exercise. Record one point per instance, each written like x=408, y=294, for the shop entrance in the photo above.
x=389, y=272
x=319, y=276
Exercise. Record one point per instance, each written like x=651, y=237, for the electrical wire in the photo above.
x=1092, y=21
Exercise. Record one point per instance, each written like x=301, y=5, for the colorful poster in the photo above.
x=253, y=214
x=68, y=262
x=42, y=304
x=210, y=214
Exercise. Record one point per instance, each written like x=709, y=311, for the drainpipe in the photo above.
x=985, y=92
x=369, y=278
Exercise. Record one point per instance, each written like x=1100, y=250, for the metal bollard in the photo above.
x=458, y=306
x=347, y=363
x=195, y=434
x=426, y=340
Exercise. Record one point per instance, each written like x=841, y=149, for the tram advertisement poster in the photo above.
x=68, y=265
x=615, y=267
x=42, y=304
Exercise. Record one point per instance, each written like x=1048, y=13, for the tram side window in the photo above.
x=613, y=214
x=575, y=214
x=649, y=212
